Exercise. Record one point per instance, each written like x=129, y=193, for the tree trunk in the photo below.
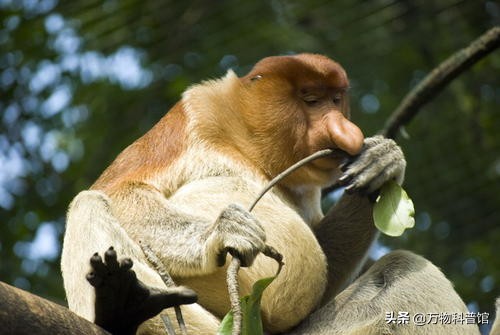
x=24, y=313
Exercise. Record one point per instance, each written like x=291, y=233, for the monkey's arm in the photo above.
x=347, y=231
x=345, y=234
x=188, y=244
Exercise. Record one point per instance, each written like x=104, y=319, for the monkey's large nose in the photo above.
x=345, y=134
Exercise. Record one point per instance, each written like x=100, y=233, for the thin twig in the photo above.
x=157, y=264
x=278, y=178
x=180, y=320
x=234, y=294
x=167, y=279
x=274, y=254
x=439, y=78
x=168, y=324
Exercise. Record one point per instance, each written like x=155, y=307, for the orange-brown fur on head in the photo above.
x=279, y=97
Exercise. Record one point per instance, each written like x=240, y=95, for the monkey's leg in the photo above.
x=122, y=301
x=90, y=227
x=398, y=282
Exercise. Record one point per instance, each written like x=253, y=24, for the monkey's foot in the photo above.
x=123, y=302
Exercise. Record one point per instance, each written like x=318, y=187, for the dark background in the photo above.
x=81, y=79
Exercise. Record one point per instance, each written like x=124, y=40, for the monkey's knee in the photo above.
x=90, y=227
x=408, y=282
x=89, y=201
x=404, y=274
x=391, y=274
x=399, y=265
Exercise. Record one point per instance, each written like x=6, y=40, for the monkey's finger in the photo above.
x=111, y=259
x=94, y=279
x=354, y=170
x=270, y=251
x=346, y=163
x=97, y=264
x=390, y=172
x=159, y=300
x=221, y=258
x=344, y=180
x=253, y=229
x=179, y=296
x=246, y=253
x=126, y=264
x=376, y=150
x=373, y=177
x=354, y=180
x=362, y=175
x=246, y=220
x=352, y=188
x=357, y=187
x=364, y=161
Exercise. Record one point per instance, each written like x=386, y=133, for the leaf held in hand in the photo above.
x=250, y=308
x=393, y=211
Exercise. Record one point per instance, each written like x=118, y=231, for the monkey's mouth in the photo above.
x=332, y=161
x=339, y=154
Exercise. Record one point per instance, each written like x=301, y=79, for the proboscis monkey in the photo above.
x=183, y=186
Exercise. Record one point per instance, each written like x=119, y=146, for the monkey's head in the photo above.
x=294, y=106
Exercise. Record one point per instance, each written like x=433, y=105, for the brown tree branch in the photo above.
x=439, y=78
x=23, y=313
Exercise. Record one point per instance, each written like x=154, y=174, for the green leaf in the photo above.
x=393, y=211
x=250, y=308
x=226, y=325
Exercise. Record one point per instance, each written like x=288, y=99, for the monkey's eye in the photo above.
x=310, y=100
x=337, y=99
x=257, y=77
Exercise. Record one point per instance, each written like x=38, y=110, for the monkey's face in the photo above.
x=295, y=106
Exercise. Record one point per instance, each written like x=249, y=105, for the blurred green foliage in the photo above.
x=81, y=79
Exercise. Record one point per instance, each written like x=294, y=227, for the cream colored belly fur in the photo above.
x=299, y=287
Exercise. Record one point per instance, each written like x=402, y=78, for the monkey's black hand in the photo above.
x=122, y=301
x=380, y=160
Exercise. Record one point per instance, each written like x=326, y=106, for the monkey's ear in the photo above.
x=257, y=77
